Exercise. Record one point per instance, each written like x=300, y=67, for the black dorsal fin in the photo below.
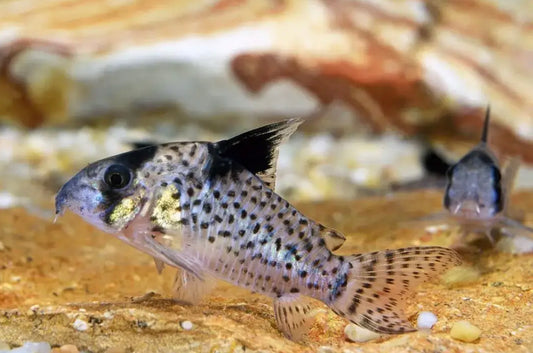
x=257, y=150
x=485, y=133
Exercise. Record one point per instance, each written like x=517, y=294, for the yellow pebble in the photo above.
x=465, y=331
x=359, y=334
x=460, y=275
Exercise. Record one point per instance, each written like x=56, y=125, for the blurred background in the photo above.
x=392, y=91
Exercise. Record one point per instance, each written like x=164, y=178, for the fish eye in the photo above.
x=117, y=176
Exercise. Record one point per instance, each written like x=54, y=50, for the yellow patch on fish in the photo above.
x=123, y=211
x=167, y=210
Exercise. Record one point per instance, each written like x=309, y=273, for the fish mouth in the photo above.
x=60, y=204
x=63, y=198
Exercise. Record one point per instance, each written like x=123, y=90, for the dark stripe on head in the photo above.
x=133, y=160
x=136, y=158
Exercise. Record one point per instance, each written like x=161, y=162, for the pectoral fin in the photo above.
x=159, y=265
x=517, y=226
x=172, y=257
x=509, y=175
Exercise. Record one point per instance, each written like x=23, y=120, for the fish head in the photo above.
x=108, y=193
x=474, y=189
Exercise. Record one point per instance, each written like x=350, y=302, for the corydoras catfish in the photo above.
x=477, y=192
x=209, y=209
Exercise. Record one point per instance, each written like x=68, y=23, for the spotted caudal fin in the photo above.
x=378, y=283
x=257, y=150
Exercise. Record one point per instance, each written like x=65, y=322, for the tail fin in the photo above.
x=378, y=283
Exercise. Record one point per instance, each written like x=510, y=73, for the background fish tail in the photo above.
x=377, y=284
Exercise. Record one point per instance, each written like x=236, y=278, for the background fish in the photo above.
x=477, y=192
x=209, y=209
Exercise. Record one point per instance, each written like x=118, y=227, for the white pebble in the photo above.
x=186, y=325
x=80, y=325
x=33, y=347
x=426, y=320
x=359, y=334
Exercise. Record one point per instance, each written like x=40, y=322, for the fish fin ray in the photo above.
x=257, y=150
x=378, y=283
x=172, y=257
x=190, y=289
x=433, y=219
x=509, y=222
x=486, y=123
x=293, y=315
x=159, y=265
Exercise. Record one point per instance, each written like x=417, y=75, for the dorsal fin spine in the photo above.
x=485, y=133
x=257, y=150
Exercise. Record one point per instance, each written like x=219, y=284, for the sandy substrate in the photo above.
x=67, y=283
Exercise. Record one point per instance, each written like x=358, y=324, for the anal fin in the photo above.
x=190, y=289
x=293, y=315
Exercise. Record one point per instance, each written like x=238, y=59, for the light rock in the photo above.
x=464, y=331
x=80, y=325
x=411, y=70
x=460, y=275
x=426, y=320
x=186, y=325
x=359, y=334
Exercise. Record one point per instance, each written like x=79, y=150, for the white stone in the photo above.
x=186, y=325
x=80, y=325
x=426, y=320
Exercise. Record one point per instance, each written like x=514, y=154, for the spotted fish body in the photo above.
x=209, y=209
x=477, y=192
